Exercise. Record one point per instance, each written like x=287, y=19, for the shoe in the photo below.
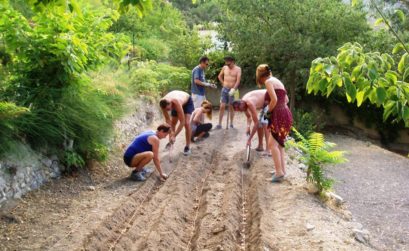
x=187, y=151
x=218, y=127
x=258, y=149
x=231, y=126
x=277, y=179
x=192, y=139
x=146, y=171
x=137, y=176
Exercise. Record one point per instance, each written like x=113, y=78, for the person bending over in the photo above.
x=143, y=149
x=200, y=129
x=249, y=104
x=181, y=106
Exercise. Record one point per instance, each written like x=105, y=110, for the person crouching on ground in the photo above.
x=249, y=104
x=200, y=130
x=143, y=149
x=279, y=116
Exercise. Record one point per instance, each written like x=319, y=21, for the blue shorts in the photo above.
x=188, y=108
x=225, y=97
x=128, y=156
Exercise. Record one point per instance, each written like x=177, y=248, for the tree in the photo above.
x=288, y=34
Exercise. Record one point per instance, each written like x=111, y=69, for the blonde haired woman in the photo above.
x=279, y=116
x=200, y=129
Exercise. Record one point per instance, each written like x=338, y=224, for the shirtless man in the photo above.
x=229, y=76
x=249, y=104
x=181, y=106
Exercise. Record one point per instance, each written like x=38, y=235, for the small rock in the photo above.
x=312, y=189
x=91, y=188
x=219, y=248
x=361, y=236
x=309, y=227
x=219, y=229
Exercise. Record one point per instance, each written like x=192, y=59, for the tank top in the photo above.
x=140, y=144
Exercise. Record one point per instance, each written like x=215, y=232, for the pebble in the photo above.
x=309, y=227
x=91, y=188
x=361, y=236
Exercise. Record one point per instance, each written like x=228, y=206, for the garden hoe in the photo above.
x=248, y=150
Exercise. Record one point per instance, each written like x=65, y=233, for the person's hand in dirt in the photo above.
x=163, y=177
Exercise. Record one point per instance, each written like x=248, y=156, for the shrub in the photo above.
x=307, y=122
x=156, y=78
x=315, y=155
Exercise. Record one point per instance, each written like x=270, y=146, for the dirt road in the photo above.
x=209, y=202
x=375, y=184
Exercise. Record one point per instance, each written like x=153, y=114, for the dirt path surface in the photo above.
x=209, y=202
x=375, y=184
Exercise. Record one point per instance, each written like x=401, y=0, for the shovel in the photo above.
x=247, y=160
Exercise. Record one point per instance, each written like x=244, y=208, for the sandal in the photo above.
x=277, y=179
x=259, y=149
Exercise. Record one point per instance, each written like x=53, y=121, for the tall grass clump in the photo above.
x=50, y=54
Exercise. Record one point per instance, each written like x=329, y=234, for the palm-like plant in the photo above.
x=316, y=153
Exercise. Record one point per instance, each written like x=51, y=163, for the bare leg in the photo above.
x=188, y=131
x=231, y=114
x=221, y=112
x=267, y=135
x=141, y=159
x=275, y=152
x=260, y=139
x=200, y=135
x=282, y=153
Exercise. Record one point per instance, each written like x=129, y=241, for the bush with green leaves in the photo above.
x=306, y=122
x=152, y=78
x=316, y=154
x=50, y=55
x=360, y=76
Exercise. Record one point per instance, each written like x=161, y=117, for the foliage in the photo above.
x=73, y=160
x=50, y=54
x=153, y=79
x=316, y=154
x=364, y=76
x=162, y=35
x=199, y=12
x=306, y=122
x=288, y=34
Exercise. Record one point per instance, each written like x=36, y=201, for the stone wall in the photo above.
x=25, y=170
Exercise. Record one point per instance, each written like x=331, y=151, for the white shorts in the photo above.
x=198, y=100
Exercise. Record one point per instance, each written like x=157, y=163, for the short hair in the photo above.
x=229, y=58
x=164, y=127
x=237, y=103
x=163, y=103
x=203, y=59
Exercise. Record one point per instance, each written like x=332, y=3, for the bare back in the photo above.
x=179, y=96
x=230, y=76
x=255, y=98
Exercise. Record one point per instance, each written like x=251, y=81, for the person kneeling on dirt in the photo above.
x=200, y=130
x=249, y=104
x=143, y=149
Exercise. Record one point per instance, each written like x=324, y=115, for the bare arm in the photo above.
x=254, y=116
x=238, y=79
x=248, y=116
x=221, y=76
x=181, y=116
x=273, y=96
x=196, y=117
x=166, y=115
x=286, y=99
x=154, y=141
x=198, y=82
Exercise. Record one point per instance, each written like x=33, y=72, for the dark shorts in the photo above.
x=128, y=159
x=188, y=108
x=225, y=97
